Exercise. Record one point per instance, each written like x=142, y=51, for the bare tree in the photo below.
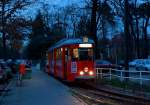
x=145, y=14
x=8, y=11
x=101, y=16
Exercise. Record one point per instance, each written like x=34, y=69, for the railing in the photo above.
x=137, y=76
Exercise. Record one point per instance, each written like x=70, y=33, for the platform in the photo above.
x=41, y=89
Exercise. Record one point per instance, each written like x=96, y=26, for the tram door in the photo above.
x=65, y=65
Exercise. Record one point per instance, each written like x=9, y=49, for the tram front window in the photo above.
x=85, y=54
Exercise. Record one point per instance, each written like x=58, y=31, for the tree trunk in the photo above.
x=94, y=26
x=137, y=39
x=146, y=48
x=131, y=39
x=3, y=31
x=127, y=36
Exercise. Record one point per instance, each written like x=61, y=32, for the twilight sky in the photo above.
x=31, y=11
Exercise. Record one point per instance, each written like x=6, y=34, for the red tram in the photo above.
x=72, y=59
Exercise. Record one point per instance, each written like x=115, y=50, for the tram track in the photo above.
x=88, y=98
x=105, y=96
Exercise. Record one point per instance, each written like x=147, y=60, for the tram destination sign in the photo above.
x=85, y=39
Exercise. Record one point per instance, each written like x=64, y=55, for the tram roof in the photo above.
x=69, y=41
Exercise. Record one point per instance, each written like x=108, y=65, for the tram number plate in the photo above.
x=73, y=67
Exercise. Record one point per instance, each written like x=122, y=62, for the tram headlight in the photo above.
x=81, y=73
x=91, y=73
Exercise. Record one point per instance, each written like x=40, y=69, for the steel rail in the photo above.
x=107, y=98
x=109, y=94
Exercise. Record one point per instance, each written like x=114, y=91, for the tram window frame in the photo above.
x=66, y=54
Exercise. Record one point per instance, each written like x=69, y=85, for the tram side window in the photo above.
x=75, y=54
x=58, y=54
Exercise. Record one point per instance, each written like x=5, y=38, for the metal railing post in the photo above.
x=101, y=73
x=140, y=78
x=110, y=73
x=97, y=73
x=121, y=76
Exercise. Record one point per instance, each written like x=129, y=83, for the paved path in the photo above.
x=41, y=90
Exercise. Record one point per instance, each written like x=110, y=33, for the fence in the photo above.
x=137, y=76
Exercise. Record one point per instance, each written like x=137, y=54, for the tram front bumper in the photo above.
x=85, y=77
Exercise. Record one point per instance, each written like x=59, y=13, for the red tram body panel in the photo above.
x=72, y=59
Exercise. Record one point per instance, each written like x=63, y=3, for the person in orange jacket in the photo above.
x=22, y=72
x=22, y=69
